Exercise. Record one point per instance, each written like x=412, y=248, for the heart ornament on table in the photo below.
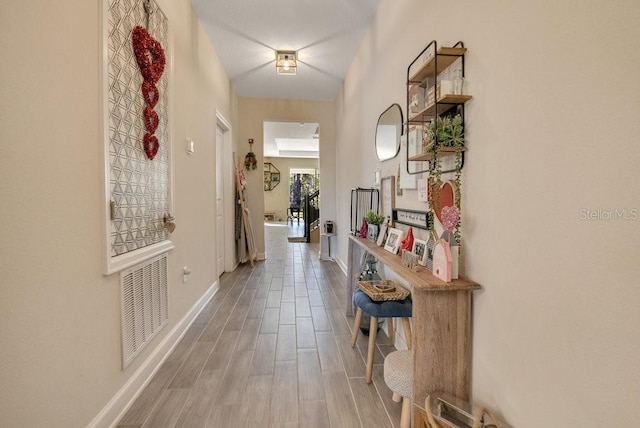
x=151, y=145
x=450, y=216
x=149, y=54
x=443, y=197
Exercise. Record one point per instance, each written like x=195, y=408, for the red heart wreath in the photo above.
x=149, y=54
x=151, y=60
x=150, y=93
x=151, y=145
x=151, y=120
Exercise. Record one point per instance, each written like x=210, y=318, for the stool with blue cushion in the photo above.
x=383, y=309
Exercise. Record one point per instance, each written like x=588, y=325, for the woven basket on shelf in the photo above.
x=384, y=290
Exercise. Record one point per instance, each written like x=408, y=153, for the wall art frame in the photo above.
x=419, y=219
x=387, y=196
x=134, y=232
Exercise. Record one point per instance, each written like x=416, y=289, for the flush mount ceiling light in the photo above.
x=286, y=63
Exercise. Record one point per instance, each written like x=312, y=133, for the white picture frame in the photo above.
x=382, y=234
x=394, y=240
x=409, y=259
x=420, y=249
x=387, y=195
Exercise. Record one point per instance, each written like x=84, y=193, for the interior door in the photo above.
x=220, y=198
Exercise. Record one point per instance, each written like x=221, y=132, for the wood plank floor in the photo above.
x=271, y=349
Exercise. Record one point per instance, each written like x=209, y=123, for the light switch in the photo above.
x=191, y=146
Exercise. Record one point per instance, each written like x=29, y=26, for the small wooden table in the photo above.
x=441, y=323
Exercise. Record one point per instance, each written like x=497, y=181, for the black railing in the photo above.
x=311, y=213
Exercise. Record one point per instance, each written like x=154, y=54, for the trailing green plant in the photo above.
x=371, y=217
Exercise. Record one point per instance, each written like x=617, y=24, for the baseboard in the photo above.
x=124, y=398
x=341, y=265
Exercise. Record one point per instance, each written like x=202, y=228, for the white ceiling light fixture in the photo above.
x=286, y=63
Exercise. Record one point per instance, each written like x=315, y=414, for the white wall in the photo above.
x=553, y=132
x=253, y=112
x=60, y=317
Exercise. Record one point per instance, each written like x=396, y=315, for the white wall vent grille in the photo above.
x=144, y=305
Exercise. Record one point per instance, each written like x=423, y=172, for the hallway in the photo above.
x=271, y=349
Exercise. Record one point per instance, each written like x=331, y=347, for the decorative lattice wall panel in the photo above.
x=139, y=187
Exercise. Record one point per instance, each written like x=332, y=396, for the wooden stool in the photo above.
x=398, y=375
x=384, y=309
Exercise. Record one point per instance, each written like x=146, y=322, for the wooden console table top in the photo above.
x=420, y=279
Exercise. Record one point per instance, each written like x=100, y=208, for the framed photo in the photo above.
x=420, y=250
x=414, y=218
x=387, y=195
x=382, y=234
x=409, y=259
x=394, y=239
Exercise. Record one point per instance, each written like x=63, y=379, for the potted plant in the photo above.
x=374, y=220
x=445, y=132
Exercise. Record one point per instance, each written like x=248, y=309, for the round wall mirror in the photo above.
x=388, y=133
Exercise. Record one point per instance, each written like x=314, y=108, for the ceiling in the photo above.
x=291, y=139
x=325, y=33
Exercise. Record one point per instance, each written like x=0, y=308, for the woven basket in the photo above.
x=384, y=290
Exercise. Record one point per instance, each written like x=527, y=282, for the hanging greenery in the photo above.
x=250, y=160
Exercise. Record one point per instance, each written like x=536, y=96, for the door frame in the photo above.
x=230, y=256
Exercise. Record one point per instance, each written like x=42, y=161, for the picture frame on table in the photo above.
x=382, y=234
x=409, y=259
x=394, y=240
x=420, y=249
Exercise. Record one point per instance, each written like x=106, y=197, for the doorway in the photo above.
x=225, y=189
x=293, y=148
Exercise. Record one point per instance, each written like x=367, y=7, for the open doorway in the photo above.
x=292, y=149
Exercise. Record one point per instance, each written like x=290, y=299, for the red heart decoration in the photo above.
x=151, y=145
x=446, y=198
x=151, y=120
x=149, y=54
x=150, y=93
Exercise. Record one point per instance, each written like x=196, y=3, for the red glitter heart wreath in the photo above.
x=151, y=120
x=150, y=93
x=151, y=60
x=151, y=145
x=149, y=54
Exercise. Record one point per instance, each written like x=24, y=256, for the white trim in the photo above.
x=126, y=260
x=229, y=183
x=342, y=266
x=116, y=408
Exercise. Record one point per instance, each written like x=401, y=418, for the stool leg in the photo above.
x=373, y=331
x=356, y=327
x=405, y=413
x=395, y=397
x=407, y=331
x=392, y=333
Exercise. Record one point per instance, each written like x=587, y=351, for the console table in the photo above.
x=441, y=323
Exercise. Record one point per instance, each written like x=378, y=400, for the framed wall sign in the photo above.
x=419, y=219
x=387, y=196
